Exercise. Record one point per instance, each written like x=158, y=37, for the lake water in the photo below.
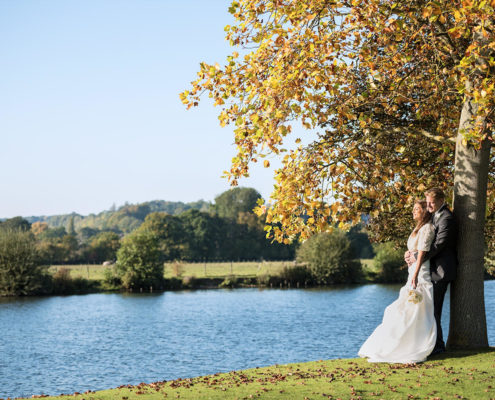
x=57, y=345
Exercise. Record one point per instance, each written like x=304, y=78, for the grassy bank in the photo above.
x=453, y=375
x=89, y=278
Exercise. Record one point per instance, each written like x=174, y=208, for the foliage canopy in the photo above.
x=238, y=200
x=383, y=84
x=138, y=261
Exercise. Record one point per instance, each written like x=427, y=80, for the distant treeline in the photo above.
x=225, y=230
x=120, y=220
x=141, y=239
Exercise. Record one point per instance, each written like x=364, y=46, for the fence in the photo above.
x=198, y=269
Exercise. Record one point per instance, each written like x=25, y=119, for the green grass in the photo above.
x=370, y=270
x=246, y=269
x=368, y=264
x=452, y=375
x=198, y=270
x=93, y=272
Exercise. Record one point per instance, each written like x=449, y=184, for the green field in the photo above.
x=198, y=270
x=89, y=271
x=452, y=375
x=244, y=269
x=223, y=269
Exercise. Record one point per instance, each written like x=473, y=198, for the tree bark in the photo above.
x=467, y=301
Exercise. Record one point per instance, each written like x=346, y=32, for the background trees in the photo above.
x=169, y=233
x=199, y=231
x=103, y=247
x=230, y=231
x=121, y=220
x=330, y=258
x=389, y=263
x=55, y=246
x=138, y=261
x=238, y=200
x=16, y=223
x=204, y=235
x=20, y=270
x=393, y=89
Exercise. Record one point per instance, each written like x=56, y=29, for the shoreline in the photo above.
x=80, y=286
x=454, y=374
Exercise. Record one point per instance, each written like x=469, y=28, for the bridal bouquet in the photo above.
x=414, y=296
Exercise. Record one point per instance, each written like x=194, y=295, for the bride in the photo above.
x=407, y=333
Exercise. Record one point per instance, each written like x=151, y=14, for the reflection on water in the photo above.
x=56, y=345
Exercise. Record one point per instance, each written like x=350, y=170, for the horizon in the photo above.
x=117, y=207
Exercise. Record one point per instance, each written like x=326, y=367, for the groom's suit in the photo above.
x=443, y=263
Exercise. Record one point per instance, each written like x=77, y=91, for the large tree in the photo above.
x=20, y=269
x=138, y=261
x=399, y=96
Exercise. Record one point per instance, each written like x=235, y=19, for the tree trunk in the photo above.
x=467, y=301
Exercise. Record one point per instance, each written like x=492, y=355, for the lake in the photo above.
x=54, y=345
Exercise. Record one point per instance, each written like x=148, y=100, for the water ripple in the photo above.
x=60, y=345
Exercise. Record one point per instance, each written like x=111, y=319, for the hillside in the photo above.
x=124, y=219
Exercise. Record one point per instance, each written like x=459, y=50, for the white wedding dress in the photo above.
x=408, y=332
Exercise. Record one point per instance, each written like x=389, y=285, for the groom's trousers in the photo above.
x=439, y=289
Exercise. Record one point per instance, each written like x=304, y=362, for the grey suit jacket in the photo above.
x=443, y=254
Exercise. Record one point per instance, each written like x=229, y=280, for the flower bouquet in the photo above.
x=414, y=296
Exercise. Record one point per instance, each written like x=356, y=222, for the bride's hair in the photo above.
x=425, y=217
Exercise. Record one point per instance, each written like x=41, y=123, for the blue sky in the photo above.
x=89, y=108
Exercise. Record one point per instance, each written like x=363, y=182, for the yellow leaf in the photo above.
x=266, y=163
x=427, y=12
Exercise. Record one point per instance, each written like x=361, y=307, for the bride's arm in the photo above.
x=419, y=261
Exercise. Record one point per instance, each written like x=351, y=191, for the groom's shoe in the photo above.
x=437, y=350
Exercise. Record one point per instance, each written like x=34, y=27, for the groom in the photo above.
x=442, y=256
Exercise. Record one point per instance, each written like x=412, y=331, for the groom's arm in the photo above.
x=409, y=257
